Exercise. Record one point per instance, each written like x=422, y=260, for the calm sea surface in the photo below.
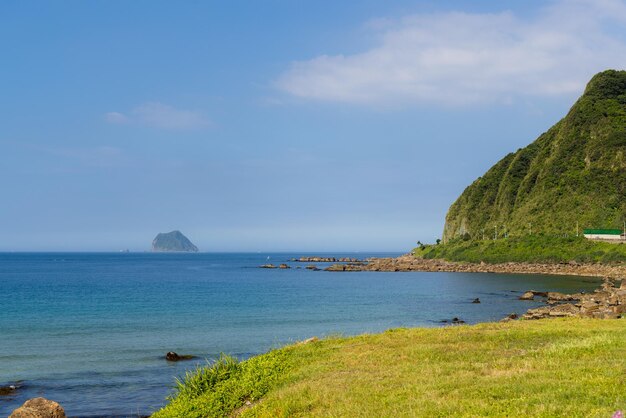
x=91, y=330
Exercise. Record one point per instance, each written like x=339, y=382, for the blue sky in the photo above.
x=274, y=125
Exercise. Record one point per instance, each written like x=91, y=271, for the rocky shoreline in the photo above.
x=317, y=259
x=607, y=302
x=410, y=263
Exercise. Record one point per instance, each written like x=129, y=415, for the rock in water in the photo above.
x=527, y=296
x=173, y=241
x=39, y=408
x=8, y=390
x=173, y=356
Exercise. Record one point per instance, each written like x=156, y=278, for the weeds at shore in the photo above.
x=568, y=367
x=228, y=384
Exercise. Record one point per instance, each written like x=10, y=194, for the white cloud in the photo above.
x=116, y=118
x=159, y=115
x=461, y=58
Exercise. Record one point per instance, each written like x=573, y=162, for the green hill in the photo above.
x=573, y=174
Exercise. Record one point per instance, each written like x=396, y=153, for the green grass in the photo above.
x=530, y=248
x=569, y=367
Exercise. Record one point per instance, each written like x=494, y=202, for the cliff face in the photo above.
x=171, y=242
x=575, y=173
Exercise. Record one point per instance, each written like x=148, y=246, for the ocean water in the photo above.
x=90, y=330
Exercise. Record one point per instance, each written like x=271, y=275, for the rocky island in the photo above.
x=173, y=241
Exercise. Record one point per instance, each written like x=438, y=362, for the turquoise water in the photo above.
x=90, y=330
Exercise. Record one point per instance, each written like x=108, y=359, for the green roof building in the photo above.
x=604, y=234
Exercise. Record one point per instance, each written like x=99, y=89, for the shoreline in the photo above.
x=407, y=263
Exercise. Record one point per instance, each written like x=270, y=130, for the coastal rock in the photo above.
x=308, y=341
x=477, y=300
x=345, y=267
x=409, y=262
x=589, y=308
x=39, y=408
x=453, y=321
x=172, y=356
x=267, y=266
x=562, y=297
x=8, y=390
x=317, y=259
x=336, y=267
x=527, y=296
x=607, y=285
x=552, y=312
x=173, y=241
x=607, y=302
x=284, y=266
x=509, y=317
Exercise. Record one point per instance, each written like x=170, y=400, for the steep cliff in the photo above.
x=573, y=174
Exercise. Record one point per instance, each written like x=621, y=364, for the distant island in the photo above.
x=173, y=241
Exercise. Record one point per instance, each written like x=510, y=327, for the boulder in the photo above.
x=8, y=390
x=172, y=356
x=619, y=309
x=527, y=296
x=308, y=341
x=317, y=260
x=567, y=309
x=562, y=297
x=607, y=285
x=39, y=408
x=557, y=311
x=336, y=267
x=509, y=317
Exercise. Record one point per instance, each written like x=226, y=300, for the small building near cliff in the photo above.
x=604, y=234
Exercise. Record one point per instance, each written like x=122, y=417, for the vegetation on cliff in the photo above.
x=573, y=174
x=526, y=249
x=569, y=367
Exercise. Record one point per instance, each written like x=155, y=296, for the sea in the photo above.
x=91, y=330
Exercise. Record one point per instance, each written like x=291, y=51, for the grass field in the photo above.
x=549, y=368
x=529, y=249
